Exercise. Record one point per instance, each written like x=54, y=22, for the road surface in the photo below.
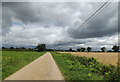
x=43, y=68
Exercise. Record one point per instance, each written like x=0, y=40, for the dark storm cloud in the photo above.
x=68, y=43
x=6, y=19
x=41, y=13
x=104, y=24
x=21, y=11
x=55, y=14
x=30, y=23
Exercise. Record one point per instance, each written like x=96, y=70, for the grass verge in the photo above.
x=15, y=60
x=83, y=68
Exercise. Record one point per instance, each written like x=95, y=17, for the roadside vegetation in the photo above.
x=83, y=68
x=15, y=60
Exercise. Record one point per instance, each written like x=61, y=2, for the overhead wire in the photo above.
x=100, y=9
x=94, y=14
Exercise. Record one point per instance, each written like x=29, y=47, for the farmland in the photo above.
x=105, y=58
x=83, y=68
x=72, y=67
x=13, y=61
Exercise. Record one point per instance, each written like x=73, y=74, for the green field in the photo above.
x=15, y=60
x=72, y=67
x=82, y=68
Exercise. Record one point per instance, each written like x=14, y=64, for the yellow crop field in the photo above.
x=103, y=57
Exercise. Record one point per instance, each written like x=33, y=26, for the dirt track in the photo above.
x=104, y=57
x=43, y=68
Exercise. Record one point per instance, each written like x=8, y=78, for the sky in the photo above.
x=27, y=24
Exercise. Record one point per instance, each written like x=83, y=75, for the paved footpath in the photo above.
x=43, y=68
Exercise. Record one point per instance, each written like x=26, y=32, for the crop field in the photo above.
x=83, y=68
x=103, y=57
x=71, y=66
x=15, y=60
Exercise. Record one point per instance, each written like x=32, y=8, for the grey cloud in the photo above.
x=68, y=43
x=6, y=19
x=53, y=22
x=37, y=12
x=101, y=25
x=56, y=14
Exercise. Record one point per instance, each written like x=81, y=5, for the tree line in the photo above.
x=42, y=47
x=115, y=48
x=17, y=49
x=39, y=48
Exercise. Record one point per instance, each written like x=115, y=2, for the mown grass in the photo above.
x=14, y=60
x=83, y=68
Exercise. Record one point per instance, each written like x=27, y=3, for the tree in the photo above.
x=88, y=49
x=17, y=48
x=109, y=50
x=22, y=48
x=82, y=49
x=115, y=48
x=29, y=49
x=3, y=47
x=11, y=47
x=103, y=49
x=78, y=49
x=70, y=49
x=41, y=47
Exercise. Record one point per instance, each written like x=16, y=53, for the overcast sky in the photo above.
x=30, y=23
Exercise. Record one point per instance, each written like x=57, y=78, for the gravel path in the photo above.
x=43, y=68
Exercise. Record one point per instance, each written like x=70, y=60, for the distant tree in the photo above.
x=29, y=49
x=3, y=47
x=41, y=47
x=73, y=51
x=115, y=48
x=70, y=49
x=17, y=48
x=88, y=49
x=103, y=49
x=78, y=49
x=82, y=49
x=11, y=47
x=109, y=50
x=23, y=48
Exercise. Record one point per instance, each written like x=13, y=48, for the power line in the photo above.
x=92, y=15
x=97, y=14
